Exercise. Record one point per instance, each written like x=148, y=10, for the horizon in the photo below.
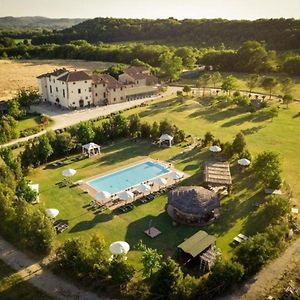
x=130, y=18
x=134, y=9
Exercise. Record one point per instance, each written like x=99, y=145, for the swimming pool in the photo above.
x=125, y=178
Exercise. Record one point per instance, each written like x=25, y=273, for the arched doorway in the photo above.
x=57, y=100
x=81, y=103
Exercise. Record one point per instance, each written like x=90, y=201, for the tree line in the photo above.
x=280, y=34
x=166, y=61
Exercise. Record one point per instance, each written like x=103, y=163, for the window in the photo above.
x=114, y=90
x=50, y=89
x=64, y=93
x=103, y=84
x=115, y=99
x=86, y=98
x=104, y=95
x=90, y=89
x=79, y=91
x=85, y=81
x=74, y=82
x=121, y=98
x=95, y=85
x=121, y=89
x=96, y=94
x=56, y=89
x=53, y=80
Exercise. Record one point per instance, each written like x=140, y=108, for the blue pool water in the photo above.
x=128, y=177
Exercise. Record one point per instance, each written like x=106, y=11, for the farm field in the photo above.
x=16, y=74
x=239, y=212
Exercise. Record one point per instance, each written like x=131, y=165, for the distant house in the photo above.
x=3, y=108
x=138, y=76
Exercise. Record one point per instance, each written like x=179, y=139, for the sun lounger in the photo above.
x=243, y=237
x=238, y=240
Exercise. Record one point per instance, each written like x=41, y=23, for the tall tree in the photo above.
x=252, y=82
x=229, y=83
x=168, y=280
x=203, y=82
x=170, y=65
x=269, y=83
x=44, y=149
x=151, y=260
x=287, y=99
x=215, y=78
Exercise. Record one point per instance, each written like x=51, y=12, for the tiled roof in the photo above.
x=56, y=72
x=137, y=72
x=75, y=76
x=106, y=79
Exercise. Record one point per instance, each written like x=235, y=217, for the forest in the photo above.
x=278, y=34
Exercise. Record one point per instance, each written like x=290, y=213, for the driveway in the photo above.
x=64, y=118
x=42, y=279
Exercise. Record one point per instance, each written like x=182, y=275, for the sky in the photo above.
x=180, y=9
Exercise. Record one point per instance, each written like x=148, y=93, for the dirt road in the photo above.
x=42, y=279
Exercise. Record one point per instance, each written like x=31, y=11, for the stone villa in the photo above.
x=74, y=89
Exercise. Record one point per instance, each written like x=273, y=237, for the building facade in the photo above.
x=76, y=89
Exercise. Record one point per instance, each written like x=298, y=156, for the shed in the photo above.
x=197, y=243
x=193, y=205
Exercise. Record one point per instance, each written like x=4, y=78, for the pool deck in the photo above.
x=92, y=192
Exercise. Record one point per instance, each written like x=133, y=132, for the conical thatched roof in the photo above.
x=193, y=200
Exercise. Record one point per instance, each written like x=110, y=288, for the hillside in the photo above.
x=279, y=34
x=37, y=22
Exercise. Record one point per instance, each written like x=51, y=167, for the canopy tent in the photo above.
x=160, y=181
x=197, y=243
x=126, y=195
x=143, y=188
x=103, y=195
x=52, y=212
x=244, y=162
x=215, y=149
x=176, y=175
x=165, y=140
x=119, y=247
x=68, y=172
x=91, y=149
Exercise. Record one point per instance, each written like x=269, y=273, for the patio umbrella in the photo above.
x=119, y=247
x=176, y=175
x=103, y=195
x=143, y=188
x=52, y=212
x=126, y=195
x=68, y=172
x=215, y=149
x=244, y=162
x=160, y=181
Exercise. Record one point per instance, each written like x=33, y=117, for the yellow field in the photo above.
x=15, y=74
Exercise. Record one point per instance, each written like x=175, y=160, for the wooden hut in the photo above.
x=199, y=249
x=193, y=205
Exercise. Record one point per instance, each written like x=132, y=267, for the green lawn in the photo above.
x=29, y=122
x=13, y=287
x=241, y=83
x=238, y=212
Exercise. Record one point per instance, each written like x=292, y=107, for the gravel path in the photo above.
x=42, y=279
x=261, y=284
x=64, y=118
